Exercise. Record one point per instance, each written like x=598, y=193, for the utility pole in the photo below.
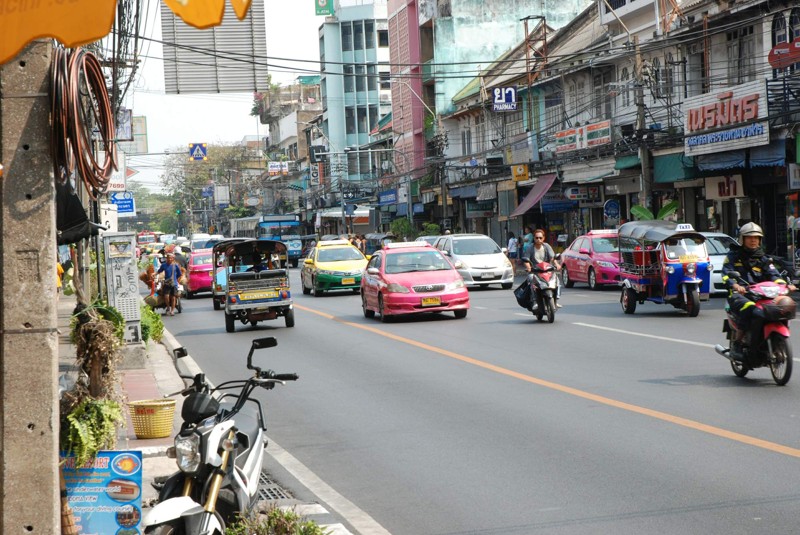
x=641, y=129
x=343, y=172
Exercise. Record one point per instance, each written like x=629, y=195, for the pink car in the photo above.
x=199, y=272
x=409, y=278
x=592, y=258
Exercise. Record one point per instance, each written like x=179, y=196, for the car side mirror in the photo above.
x=309, y=261
x=445, y=252
x=373, y=271
x=585, y=251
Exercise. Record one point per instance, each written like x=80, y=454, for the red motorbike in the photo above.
x=544, y=282
x=766, y=342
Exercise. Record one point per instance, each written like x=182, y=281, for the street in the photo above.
x=498, y=424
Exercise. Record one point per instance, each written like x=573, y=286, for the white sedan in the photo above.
x=718, y=245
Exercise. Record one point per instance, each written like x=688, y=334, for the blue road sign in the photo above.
x=198, y=151
x=124, y=202
x=504, y=99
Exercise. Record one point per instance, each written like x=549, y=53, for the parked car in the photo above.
x=200, y=272
x=592, y=258
x=410, y=278
x=718, y=245
x=332, y=265
x=478, y=259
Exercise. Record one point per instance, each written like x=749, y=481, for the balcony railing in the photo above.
x=783, y=95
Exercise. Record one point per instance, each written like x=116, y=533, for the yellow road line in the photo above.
x=676, y=420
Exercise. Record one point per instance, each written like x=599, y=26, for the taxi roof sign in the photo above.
x=406, y=244
x=684, y=227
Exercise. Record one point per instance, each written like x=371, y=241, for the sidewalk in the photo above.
x=149, y=375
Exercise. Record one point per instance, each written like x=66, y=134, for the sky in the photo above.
x=177, y=120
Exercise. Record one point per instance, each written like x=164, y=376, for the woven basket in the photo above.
x=152, y=418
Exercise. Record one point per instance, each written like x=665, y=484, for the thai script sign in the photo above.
x=504, y=99
x=724, y=187
x=740, y=108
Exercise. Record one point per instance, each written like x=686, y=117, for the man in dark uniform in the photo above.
x=753, y=265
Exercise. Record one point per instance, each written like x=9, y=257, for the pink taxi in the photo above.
x=410, y=278
x=199, y=272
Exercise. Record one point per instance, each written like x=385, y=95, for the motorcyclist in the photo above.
x=753, y=266
x=542, y=252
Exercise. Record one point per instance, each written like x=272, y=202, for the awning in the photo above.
x=771, y=155
x=487, y=192
x=297, y=185
x=720, y=160
x=597, y=178
x=673, y=167
x=627, y=162
x=464, y=192
x=535, y=195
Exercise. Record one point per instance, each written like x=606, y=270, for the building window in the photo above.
x=347, y=37
x=361, y=78
x=373, y=118
x=466, y=141
x=349, y=83
x=350, y=120
x=372, y=78
x=362, y=120
x=794, y=31
x=741, y=46
x=383, y=38
x=515, y=123
x=358, y=35
x=624, y=90
x=386, y=80
x=554, y=112
x=780, y=35
x=369, y=34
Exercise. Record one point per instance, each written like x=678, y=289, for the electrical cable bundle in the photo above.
x=79, y=103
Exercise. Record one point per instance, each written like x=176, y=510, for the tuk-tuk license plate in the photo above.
x=350, y=280
x=431, y=301
x=258, y=295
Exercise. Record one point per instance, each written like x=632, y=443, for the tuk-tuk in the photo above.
x=663, y=262
x=220, y=282
x=258, y=283
x=376, y=241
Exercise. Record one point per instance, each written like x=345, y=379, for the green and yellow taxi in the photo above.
x=333, y=265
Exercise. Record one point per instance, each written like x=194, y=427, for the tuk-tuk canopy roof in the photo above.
x=252, y=245
x=222, y=245
x=658, y=230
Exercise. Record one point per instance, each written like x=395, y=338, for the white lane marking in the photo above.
x=632, y=333
x=479, y=308
x=361, y=521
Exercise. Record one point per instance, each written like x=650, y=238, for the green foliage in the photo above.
x=235, y=212
x=107, y=312
x=430, y=229
x=152, y=326
x=402, y=229
x=90, y=427
x=276, y=522
x=640, y=213
x=668, y=209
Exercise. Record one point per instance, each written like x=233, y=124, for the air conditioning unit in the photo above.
x=385, y=97
x=695, y=48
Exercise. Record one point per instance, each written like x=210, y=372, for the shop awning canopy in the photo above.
x=673, y=168
x=535, y=195
x=597, y=178
x=721, y=160
x=627, y=162
x=770, y=155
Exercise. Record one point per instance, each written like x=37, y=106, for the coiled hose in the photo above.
x=79, y=102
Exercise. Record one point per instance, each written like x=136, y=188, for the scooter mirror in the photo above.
x=263, y=343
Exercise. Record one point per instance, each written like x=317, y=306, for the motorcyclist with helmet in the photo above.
x=753, y=265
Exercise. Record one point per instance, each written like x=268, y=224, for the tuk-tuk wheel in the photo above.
x=230, y=323
x=628, y=300
x=693, y=304
x=289, y=317
x=217, y=306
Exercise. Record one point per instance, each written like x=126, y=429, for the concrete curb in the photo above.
x=184, y=365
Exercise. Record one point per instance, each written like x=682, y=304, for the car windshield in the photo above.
x=605, y=245
x=719, y=245
x=677, y=248
x=339, y=254
x=429, y=239
x=471, y=246
x=409, y=261
x=200, y=260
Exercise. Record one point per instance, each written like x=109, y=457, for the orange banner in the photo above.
x=77, y=22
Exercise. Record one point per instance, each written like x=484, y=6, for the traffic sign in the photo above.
x=126, y=207
x=198, y=151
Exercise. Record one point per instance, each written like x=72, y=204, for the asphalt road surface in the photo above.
x=498, y=424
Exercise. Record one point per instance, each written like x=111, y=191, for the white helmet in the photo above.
x=178, y=250
x=750, y=229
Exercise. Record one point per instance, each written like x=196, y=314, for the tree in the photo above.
x=402, y=229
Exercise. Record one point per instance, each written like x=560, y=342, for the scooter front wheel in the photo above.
x=780, y=361
x=551, y=309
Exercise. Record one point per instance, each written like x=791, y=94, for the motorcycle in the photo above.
x=539, y=293
x=219, y=451
x=766, y=342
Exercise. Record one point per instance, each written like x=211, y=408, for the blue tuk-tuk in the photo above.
x=663, y=262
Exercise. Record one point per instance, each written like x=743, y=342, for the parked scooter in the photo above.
x=766, y=342
x=219, y=451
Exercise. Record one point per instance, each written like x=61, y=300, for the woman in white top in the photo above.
x=512, y=245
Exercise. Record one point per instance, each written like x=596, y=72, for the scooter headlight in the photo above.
x=187, y=452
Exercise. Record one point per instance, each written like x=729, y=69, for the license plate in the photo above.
x=350, y=280
x=431, y=301
x=685, y=259
x=487, y=276
x=258, y=295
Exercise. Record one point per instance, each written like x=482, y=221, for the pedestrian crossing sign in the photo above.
x=198, y=151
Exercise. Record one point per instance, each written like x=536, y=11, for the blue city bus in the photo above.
x=286, y=228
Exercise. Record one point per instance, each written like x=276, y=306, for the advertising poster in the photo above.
x=105, y=494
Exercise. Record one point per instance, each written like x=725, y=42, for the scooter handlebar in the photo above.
x=286, y=376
